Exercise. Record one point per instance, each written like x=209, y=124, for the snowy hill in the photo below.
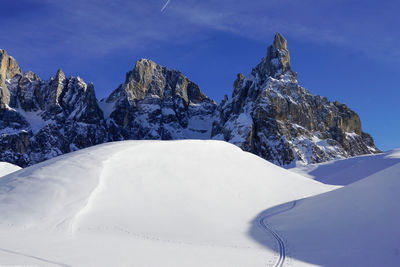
x=357, y=225
x=347, y=171
x=6, y=168
x=144, y=203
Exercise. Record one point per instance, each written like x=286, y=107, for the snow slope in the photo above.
x=145, y=203
x=347, y=171
x=357, y=225
x=7, y=168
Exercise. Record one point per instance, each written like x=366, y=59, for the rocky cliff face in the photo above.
x=157, y=103
x=8, y=69
x=272, y=116
x=44, y=119
x=269, y=114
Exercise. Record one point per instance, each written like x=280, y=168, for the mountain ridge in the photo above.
x=269, y=114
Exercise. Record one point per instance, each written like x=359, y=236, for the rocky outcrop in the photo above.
x=44, y=119
x=272, y=116
x=8, y=69
x=269, y=113
x=157, y=103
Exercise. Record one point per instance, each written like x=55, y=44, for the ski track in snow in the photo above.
x=34, y=257
x=269, y=229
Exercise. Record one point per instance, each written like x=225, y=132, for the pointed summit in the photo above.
x=272, y=116
x=8, y=69
x=60, y=75
x=280, y=42
x=279, y=56
x=277, y=62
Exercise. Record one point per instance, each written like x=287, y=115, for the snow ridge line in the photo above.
x=89, y=200
x=270, y=230
x=92, y=195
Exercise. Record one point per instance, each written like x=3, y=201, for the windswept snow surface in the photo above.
x=357, y=225
x=145, y=203
x=347, y=171
x=7, y=168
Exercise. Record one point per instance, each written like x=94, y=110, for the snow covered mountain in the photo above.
x=269, y=114
x=272, y=116
x=144, y=203
x=157, y=103
x=43, y=119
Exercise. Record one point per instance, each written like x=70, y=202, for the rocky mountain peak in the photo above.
x=9, y=66
x=277, y=62
x=269, y=114
x=8, y=69
x=30, y=76
x=142, y=72
x=272, y=116
x=44, y=119
x=60, y=75
x=155, y=102
x=145, y=66
x=52, y=93
x=149, y=79
x=280, y=42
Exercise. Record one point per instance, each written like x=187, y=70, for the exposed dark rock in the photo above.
x=272, y=116
x=8, y=69
x=269, y=114
x=46, y=119
x=157, y=103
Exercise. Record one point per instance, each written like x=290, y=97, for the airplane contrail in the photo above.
x=166, y=4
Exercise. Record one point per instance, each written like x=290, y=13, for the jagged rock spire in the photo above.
x=60, y=75
x=170, y=104
x=280, y=53
x=277, y=62
x=272, y=116
x=8, y=69
x=280, y=42
x=269, y=114
x=148, y=78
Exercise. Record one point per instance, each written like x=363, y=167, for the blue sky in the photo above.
x=346, y=50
